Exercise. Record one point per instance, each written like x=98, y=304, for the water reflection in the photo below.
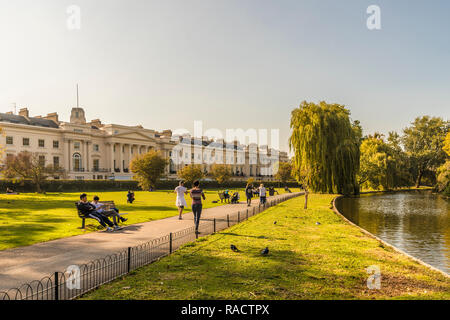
x=416, y=222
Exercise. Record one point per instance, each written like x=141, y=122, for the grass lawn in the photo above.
x=306, y=261
x=30, y=218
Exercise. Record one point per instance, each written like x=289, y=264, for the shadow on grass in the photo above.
x=248, y=236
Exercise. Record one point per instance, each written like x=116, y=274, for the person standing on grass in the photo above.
x=130, y=196
x=262, y=194
x=181, y=201
x=249, y=194
x=196, y=196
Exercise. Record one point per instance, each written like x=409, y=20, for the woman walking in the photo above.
x=249, y=194
x=197, y=195
x=181, y=201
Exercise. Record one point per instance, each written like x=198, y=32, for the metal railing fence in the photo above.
x=75, y=282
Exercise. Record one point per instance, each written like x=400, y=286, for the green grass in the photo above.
x=31, y=218
x=306, y=261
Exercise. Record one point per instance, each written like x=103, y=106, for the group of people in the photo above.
x=100, y=212
x=261, y=191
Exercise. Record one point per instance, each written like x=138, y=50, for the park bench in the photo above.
x=108, y=204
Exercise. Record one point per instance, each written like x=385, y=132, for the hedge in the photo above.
x=109, y=185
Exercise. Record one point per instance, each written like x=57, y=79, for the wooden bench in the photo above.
x=108, y=204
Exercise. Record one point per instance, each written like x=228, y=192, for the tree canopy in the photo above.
x=148, y=168
x=28, y=166
x=284, y=172
x=326, y=147
x=424, y=142
x=190, y=173
x=221, y=173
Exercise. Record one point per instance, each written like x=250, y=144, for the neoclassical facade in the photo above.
x=93, y=150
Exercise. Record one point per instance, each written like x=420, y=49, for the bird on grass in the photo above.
x=275, y=222
x=318, y=223
x=265, y=252
x=234, y=248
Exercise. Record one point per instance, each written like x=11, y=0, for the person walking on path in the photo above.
x=249, y=194
x=262, y=194
x=196, y=196
x=181, y=201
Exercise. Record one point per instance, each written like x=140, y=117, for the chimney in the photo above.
x=96, y=122
x=52, y=116
x=24, y=112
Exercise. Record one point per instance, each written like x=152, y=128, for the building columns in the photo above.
x=111, y=152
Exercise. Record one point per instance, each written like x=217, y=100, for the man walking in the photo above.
x=196, y=196
x=262, y=194
x=249, y=194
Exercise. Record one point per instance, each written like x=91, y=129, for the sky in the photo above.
x=229, y=63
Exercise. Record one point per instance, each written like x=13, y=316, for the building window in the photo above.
x=55, y=162
x=42, y=161
x=96, y=164
x=76, y=162
x=96, y=147
x=9, y=140
x=41, y=143
x=55, y=144
x=76, y=145
x=26, y=141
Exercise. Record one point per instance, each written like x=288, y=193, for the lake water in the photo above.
x=418, y=222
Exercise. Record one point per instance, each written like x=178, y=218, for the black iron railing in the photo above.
x=78, y=280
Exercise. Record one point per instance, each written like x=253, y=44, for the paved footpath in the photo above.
x=25, y=264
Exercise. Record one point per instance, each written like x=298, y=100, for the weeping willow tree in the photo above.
x=326, y=148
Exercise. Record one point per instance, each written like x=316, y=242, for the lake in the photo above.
x=418, y=222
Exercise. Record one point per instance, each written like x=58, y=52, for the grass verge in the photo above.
x=306, y=261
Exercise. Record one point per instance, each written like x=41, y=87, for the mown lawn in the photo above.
x=30, y=218
x=306, y=261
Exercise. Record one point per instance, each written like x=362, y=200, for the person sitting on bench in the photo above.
x=99, y=207
x=235, y=198
x=226, y=195
x=88, y=210
x=287, y=189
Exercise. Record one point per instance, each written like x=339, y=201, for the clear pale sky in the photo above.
x=231, y=63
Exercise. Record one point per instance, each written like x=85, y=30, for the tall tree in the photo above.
x=423, y=142
x=190, y=173
x=221, y=173
x=29, y=166
x=326, y=147
x=443, y=179
x=148, y=168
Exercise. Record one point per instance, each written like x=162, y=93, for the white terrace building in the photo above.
x=92, y=150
